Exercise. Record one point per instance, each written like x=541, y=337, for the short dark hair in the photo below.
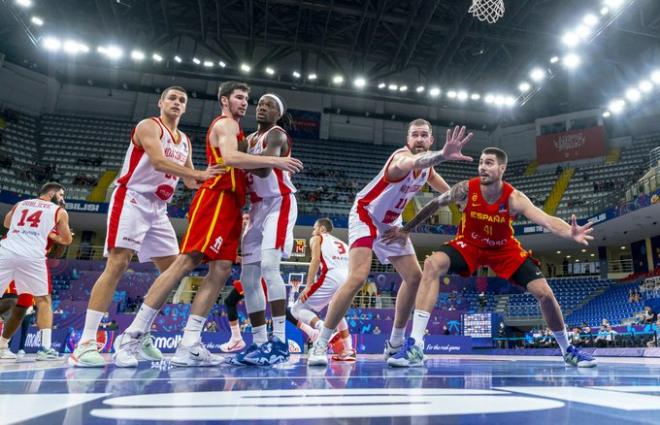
x=501, y=156
x=419, y=122
x=325, y=222
x=50, y=186
x=228, y=87
x=177, y=88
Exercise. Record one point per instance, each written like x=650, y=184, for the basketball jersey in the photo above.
x=234, y=179
x=277, y=182
x=485, y=225
x=383, y=201
x=31, y=222
x=139, y=175
x=334, y=253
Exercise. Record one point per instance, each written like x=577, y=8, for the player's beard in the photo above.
x=54, y=200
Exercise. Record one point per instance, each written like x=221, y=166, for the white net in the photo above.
x=487, y=10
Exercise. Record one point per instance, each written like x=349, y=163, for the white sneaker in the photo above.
x=318, y=355
x=126, y=348
x=390, y=350
x=196, y=356
x=47, y=354
x=232, y=346
x=7, y=354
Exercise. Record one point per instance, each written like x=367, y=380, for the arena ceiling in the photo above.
x=405, y=41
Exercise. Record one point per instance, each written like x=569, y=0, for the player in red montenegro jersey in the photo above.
x=213, y=233
x=485, y=238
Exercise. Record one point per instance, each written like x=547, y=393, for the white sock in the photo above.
x=259, y=335
x=193, y=330
x=236, y=331
x=92, y=320
x=420, y=320
x=143, y=320
x=308, y=330
x=279, y=327
x=4, y=342
x=46, y=338
x=562, y=340
x=319, y=325
x=326, y=333
x=398, y=336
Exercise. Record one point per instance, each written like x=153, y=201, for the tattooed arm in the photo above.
x=458, y=194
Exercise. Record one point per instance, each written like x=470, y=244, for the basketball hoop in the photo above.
x=487, y=10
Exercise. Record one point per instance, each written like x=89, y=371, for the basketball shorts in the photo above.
x=324, y=289
x=214, y=225
x=139, y=223
x=271, y=227
x=504, y=261
x=30, y=275
x=363, y=232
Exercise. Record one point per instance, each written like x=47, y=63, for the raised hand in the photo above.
x=454, y=143
x=292, y=165
x=581, y=234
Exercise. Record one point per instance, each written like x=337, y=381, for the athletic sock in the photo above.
x=193, y=330
x=420, y=320
x=259, y=335
x=143, y=320
x=562, y=340
x=92, y=320
x=279, y=329
x=398, y=336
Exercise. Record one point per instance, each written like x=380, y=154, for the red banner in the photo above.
x=571, y=145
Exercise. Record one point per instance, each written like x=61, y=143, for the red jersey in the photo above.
x=234, y=179
x=484, y=225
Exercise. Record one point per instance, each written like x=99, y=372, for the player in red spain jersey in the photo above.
x=485, y=238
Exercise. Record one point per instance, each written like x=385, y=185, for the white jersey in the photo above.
x=382, y=202
x=31, y=222
x=137, y=173
x=276, y=183
x=334, y=253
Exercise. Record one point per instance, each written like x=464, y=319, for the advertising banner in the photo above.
x=571, y=145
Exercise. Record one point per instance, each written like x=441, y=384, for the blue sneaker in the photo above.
x=409, y=355
x=577, y=358
x=270, y=353
x=239, y=359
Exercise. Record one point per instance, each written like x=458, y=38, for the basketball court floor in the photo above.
x=450, y=389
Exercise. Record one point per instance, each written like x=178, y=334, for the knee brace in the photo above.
x=252, y=290
x=301, y=312
x=270, y=271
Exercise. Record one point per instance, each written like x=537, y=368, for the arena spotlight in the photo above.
x=403, y=89
x=633, y=95
x=571, y=60
x=645, y=86
x=524, y=87
x=37, y=21
x=270, y=71
x=222, y=64
x=509, y=101
x=338, y=79
x=655, y=76
x=604, y=10
x=462, y=95
x=137, y=55
x=475, y=96
x=419, y=89
x=489, y=99
x=381, y=85
x=196, y=61
x=570, y=39
x=617, y=105
x=24, y=3
x=499, y=100
x=51, y=43
x=393, y=87
x=245, y=67
x=554, y=59
x=156, y=57
x=208, y=64
x=583, y=31
x=295, y=74
x=613, y=4
x=360, y=82
x=312, y=76
x=607, y=114
x=178, y=59
x=590, y=19
x=537, y=74
x=451, y=94
x=111, y=52
x=435, y=91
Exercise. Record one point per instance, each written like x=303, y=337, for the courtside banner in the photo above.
x=571, y=145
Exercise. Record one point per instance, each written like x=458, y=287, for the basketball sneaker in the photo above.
x=577, y=358
x=409, y=355
x=318, y=355
x=390, y=350
x=47, y=354
x=86, y=354
x=7, y=354
x=239, y=359
x=269, y=353
x=232, y=346
x=195, y=356
x=345, y=356
x=130, y=348
x=148, y=350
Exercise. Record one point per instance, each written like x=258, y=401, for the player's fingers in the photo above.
x=467, y=139
x=448, y=134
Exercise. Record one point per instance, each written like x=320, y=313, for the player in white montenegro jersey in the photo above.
x=378, y=207
x=31, y=224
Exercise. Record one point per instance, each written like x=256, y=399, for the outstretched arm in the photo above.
x=520, y=204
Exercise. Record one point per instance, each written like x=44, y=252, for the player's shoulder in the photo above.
x=225, y=123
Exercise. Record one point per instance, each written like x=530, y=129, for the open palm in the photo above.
x=454, y=143
x=581, y=234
